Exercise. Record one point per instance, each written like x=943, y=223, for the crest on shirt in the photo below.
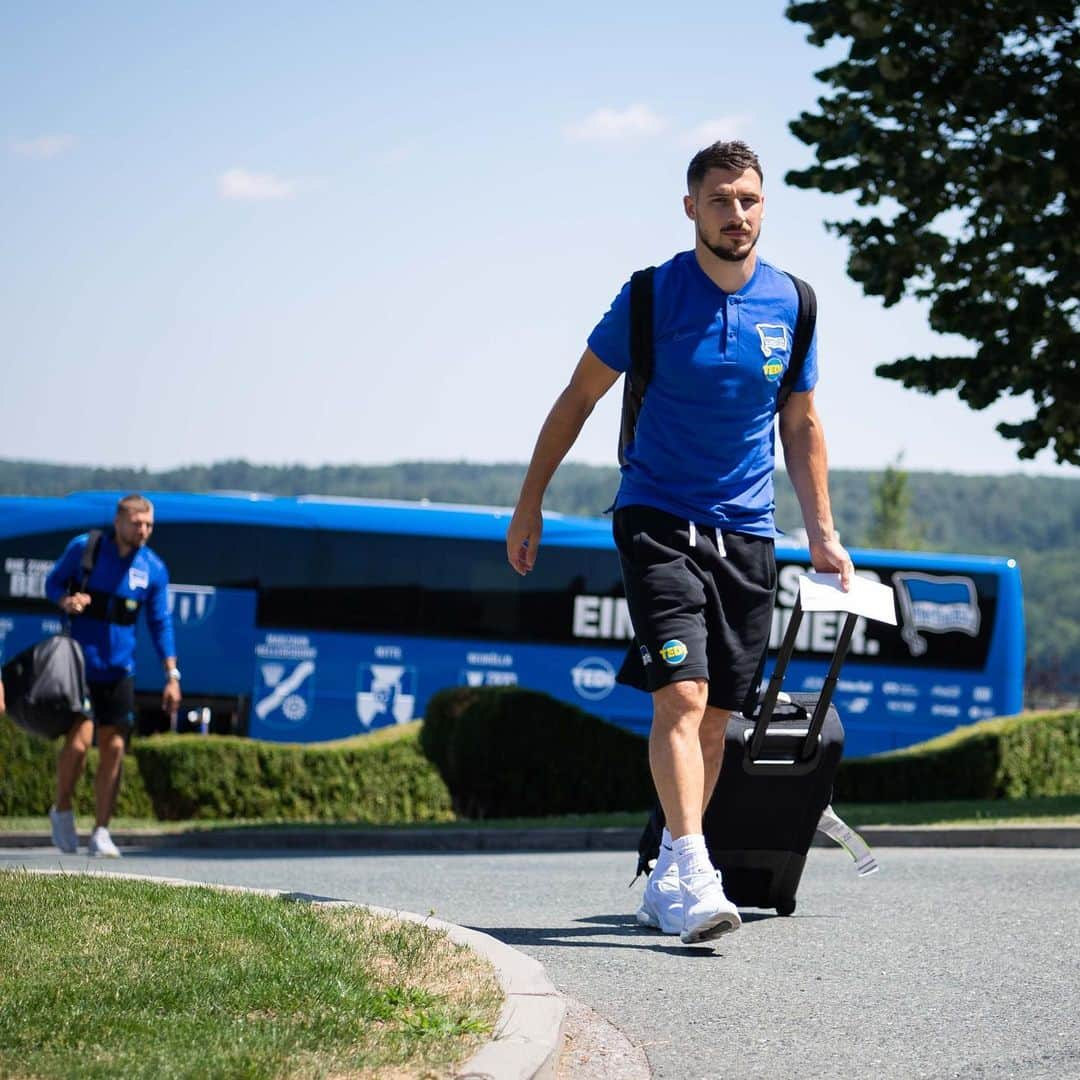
x=138, y=579
x=774, y=338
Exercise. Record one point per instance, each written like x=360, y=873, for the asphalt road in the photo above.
x=948, y=963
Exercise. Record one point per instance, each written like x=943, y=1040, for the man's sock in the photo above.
x=665, y=860
x=692, y=856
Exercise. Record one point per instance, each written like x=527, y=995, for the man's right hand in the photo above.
x=523, y=538
x=75, y=604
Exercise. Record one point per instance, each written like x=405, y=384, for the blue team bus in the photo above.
x=313, y=618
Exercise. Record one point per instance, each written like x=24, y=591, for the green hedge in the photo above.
x=28, y=777
x=381, y=778
x=508, y=752
x=1013, y=757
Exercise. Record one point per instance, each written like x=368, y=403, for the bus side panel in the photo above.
x=215, y=633
x=20, y=630
x=312, y=686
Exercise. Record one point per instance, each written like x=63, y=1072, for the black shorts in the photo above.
x=697, y=613
x=113, y=702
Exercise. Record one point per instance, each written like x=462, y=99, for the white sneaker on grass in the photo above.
x=707, y=912
x=64, y=835
x=101, y=844
x=662, y=903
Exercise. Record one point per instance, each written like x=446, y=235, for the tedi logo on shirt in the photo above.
x=673, y=652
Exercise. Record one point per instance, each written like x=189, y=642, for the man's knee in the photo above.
x=111, y=740
x=680, y=703
x=80, y=735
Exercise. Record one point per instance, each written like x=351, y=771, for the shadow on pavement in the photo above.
x=602, y=928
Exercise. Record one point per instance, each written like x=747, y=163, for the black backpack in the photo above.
x=641, y=349
x=46, y=684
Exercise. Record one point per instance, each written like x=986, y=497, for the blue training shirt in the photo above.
x=109, y=648
x=705, y=447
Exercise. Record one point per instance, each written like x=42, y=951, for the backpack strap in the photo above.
x=86, y=568
x=800, y=346
x=89, y=557
x=641, y=355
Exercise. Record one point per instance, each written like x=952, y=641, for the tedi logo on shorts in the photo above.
x=673, y=652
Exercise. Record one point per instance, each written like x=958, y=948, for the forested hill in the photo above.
x=1034, y=519
x=969, y=514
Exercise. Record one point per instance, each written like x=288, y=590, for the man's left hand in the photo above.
x=170, y=696
x=830, y=557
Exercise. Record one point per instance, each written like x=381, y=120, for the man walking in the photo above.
x=694, y=513
x=126, y=577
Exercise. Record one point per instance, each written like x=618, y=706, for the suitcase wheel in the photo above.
x=786, y=907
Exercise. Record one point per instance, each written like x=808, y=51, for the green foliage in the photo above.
x=28, y=776
x=961, y=122
x=507, y=752
x=382, y=778
x=890, y=526
x=1014, y=757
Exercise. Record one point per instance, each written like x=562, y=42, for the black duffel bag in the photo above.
x=45, y=687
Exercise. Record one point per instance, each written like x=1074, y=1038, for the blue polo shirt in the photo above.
x=705, y=446
x=109, y=648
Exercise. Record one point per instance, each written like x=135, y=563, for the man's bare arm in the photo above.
x=807, y=464
x=591, y=380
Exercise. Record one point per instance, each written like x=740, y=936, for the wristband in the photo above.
x=172, y=674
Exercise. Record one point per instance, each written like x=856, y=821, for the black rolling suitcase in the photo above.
x=775, y=783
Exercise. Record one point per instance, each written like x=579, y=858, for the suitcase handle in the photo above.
x=768, y=704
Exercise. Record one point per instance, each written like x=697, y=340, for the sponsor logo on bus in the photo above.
x=935, y=604
x=948, y=692
x=385, y=692
x=481, y=677
x=191, y=604
x=944, y=710
x=284, y=691
x=593, y=678
x=899, y=689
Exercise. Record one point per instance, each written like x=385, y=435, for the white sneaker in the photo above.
x=101, y=844
x=707, y=912
x=662, y=903
x=64, y=835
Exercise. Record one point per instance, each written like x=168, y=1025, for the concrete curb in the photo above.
x=529, y=1034
x=541, y=839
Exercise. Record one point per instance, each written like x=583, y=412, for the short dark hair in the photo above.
x=735, y=156
x=134, y=504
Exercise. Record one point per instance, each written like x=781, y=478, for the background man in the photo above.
x=127, y=576
x=694, y=512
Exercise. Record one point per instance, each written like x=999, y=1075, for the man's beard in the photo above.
x=734, y=255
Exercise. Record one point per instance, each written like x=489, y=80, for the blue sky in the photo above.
x=375, y=232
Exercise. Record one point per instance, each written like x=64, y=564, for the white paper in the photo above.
x=822, y=592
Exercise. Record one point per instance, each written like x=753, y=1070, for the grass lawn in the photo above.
x=101, y=977
x=1063, y=809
